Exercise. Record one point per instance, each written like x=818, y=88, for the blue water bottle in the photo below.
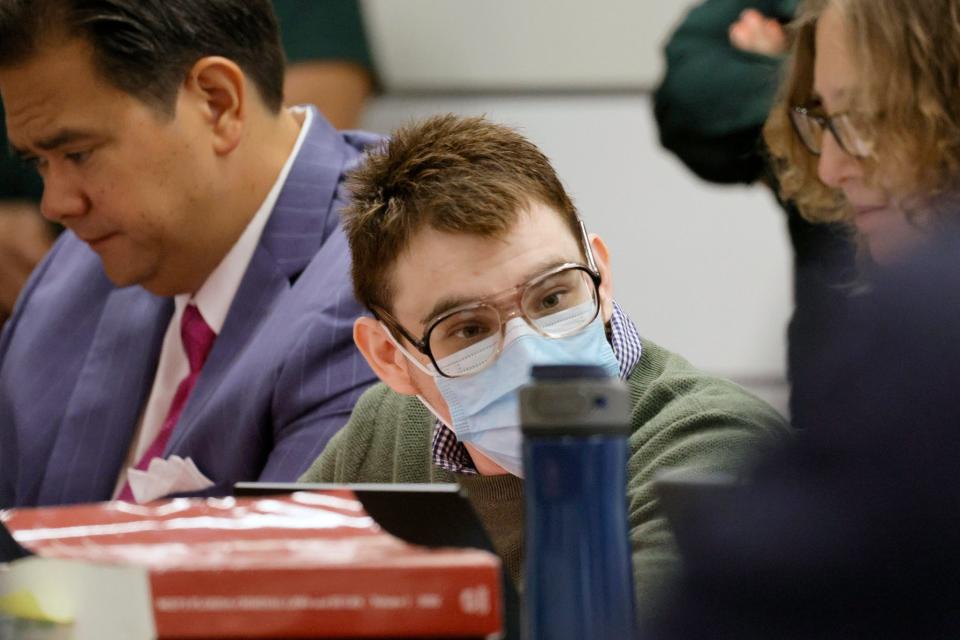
x=578, y=573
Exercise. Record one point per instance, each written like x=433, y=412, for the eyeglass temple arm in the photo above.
x=586, y=246
x=388, y=320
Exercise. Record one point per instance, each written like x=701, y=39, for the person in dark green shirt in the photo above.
x=723, y=67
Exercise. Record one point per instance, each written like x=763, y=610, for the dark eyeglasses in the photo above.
x=469, y=338
x=849, y=134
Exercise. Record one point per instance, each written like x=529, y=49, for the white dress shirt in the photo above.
x=213, y=300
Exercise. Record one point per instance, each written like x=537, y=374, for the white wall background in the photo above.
x=507, y=44
x=703, y=270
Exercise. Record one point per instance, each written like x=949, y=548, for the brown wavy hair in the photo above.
x=450, y=173
x=908, y=52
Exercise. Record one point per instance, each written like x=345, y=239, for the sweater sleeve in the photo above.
x=684, y=418
x=346, y=453
x=714, y=98
x=387, y=439
x=324, y=467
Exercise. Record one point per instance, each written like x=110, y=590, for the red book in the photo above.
x=304, y=565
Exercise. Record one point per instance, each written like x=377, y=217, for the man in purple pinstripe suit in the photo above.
x=192, y=198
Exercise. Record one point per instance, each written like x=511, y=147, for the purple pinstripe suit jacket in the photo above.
x=78, y=356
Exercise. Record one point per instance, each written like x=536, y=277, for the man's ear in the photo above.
x=217, y=85
x=382, y=354
x=601, y=254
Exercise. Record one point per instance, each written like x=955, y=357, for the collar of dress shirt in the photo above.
x=215, y=296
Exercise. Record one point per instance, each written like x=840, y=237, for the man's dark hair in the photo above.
x=146, y=47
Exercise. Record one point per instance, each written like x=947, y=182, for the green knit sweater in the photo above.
x=681, y=418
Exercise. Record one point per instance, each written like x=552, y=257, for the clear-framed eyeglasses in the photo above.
x=558, y=303
x=846, y=129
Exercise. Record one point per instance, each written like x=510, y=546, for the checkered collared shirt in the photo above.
x=450, y=454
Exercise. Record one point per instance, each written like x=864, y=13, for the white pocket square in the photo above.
x=165, y=476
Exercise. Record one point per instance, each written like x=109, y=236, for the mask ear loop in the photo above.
x=436, y=414
x=419, y=365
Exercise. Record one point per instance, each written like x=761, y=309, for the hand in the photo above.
x=24, y=239
x=755, y=33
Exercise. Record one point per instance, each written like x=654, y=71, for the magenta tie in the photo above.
x=197, y=338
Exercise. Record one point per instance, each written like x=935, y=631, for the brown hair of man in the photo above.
x=449, y=173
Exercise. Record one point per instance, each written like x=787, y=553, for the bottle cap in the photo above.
x=574, y=400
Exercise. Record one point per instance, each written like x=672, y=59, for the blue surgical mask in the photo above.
x=485, y=406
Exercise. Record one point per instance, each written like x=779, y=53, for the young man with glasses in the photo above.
x=475, y=266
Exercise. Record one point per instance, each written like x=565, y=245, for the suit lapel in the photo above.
x=303, y=217
x=102, y=413
x=300, y=222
